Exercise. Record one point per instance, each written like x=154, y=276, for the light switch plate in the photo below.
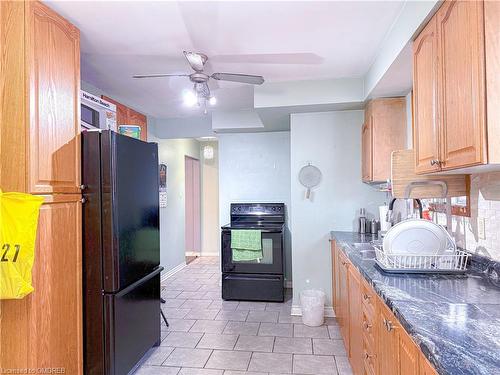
x=481, y=228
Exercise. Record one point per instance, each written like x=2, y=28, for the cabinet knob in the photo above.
x=367, y=326
x=366, y=296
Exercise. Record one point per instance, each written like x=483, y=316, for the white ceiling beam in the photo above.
x=311, y=92
x=413, y=16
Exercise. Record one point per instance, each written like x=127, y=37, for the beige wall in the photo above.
x=210, y=228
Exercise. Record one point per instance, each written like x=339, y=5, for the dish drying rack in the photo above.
x=453, y=261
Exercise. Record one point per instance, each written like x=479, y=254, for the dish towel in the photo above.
x=246, y=245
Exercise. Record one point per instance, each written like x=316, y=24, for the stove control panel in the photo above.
x=257, y=209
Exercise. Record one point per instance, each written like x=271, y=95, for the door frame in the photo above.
x=192, y=206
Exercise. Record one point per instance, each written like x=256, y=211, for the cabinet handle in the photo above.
x=366, y=296
x=367, y=326
x=389, y=326
x=368, y=356
x=436, y=162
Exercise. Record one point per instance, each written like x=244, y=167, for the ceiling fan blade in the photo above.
x=270, y=58
x=158, y=75
x=242, y=78
x=196, y=60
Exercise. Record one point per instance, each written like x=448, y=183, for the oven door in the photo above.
x=271, y=262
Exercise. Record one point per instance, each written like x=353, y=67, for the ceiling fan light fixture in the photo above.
x=212, y=100
x=190, y=98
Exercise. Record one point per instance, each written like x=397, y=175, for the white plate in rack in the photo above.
x=417, y=237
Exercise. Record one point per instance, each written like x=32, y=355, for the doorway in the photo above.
x=192, y=208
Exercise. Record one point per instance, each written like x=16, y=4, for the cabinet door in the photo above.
x=344, y=300
x=334, y=284
x=55, y=306
x=121, y=112
x=387, y=341
x=136, y=118
x=388, y=128
x=408, y=355
x=53, y=60
x=461, y=83
x=355, y=321
x=425, y=100
x=425, y=367
x=366, y=151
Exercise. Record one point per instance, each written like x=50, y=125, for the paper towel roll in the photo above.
x=384, y=225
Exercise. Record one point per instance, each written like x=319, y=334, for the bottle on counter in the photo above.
x=374, y=227
x=362, y=221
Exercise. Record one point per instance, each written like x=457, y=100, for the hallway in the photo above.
x=209, y=336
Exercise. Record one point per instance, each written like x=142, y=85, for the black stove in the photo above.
x=261, y=279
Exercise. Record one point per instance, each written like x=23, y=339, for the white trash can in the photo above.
x=313, y=307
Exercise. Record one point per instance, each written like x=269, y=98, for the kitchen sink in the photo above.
x=363, y=246
x=368, y=254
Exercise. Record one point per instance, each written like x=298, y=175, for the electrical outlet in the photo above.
x=481, y=231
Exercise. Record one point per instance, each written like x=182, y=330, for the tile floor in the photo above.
x=209, y=336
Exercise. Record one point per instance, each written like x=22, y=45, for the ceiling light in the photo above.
x=208, y=152
x=212, y=100
x=190, y=98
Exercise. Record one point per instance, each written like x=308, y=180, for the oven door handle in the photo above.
x=252, y=278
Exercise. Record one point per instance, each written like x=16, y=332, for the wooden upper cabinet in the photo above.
x=355, y=321
x=456, y=115
x=136, y=118
x=366, y=151
x=460, y=30
x=127, y=116
x=53, y=60
x=384, y=131
x=426, y=129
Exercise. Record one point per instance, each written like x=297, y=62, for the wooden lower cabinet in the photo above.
x=44, y=330
x=375, y=341
x=355, y=321
x=343, y=301
x=387, y=340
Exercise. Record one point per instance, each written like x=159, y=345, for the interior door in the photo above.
x=192, y=205
x=425, y=100
x=462, y=83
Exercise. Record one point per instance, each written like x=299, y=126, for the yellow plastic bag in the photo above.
x=18, y=224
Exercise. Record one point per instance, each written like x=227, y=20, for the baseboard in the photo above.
x=297, y=311
x=211, y=254
x=173, y=271
x=202, y=254
x=192, y=254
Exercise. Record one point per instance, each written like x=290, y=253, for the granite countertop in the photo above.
x=455, y=319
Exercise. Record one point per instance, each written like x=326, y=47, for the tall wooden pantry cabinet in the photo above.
x=40, y=154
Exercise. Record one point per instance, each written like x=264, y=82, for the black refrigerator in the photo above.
x=121, y=251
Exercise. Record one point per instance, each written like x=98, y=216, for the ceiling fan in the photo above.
x=201, y=94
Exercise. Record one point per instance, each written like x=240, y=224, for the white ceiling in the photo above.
x=280, y=40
